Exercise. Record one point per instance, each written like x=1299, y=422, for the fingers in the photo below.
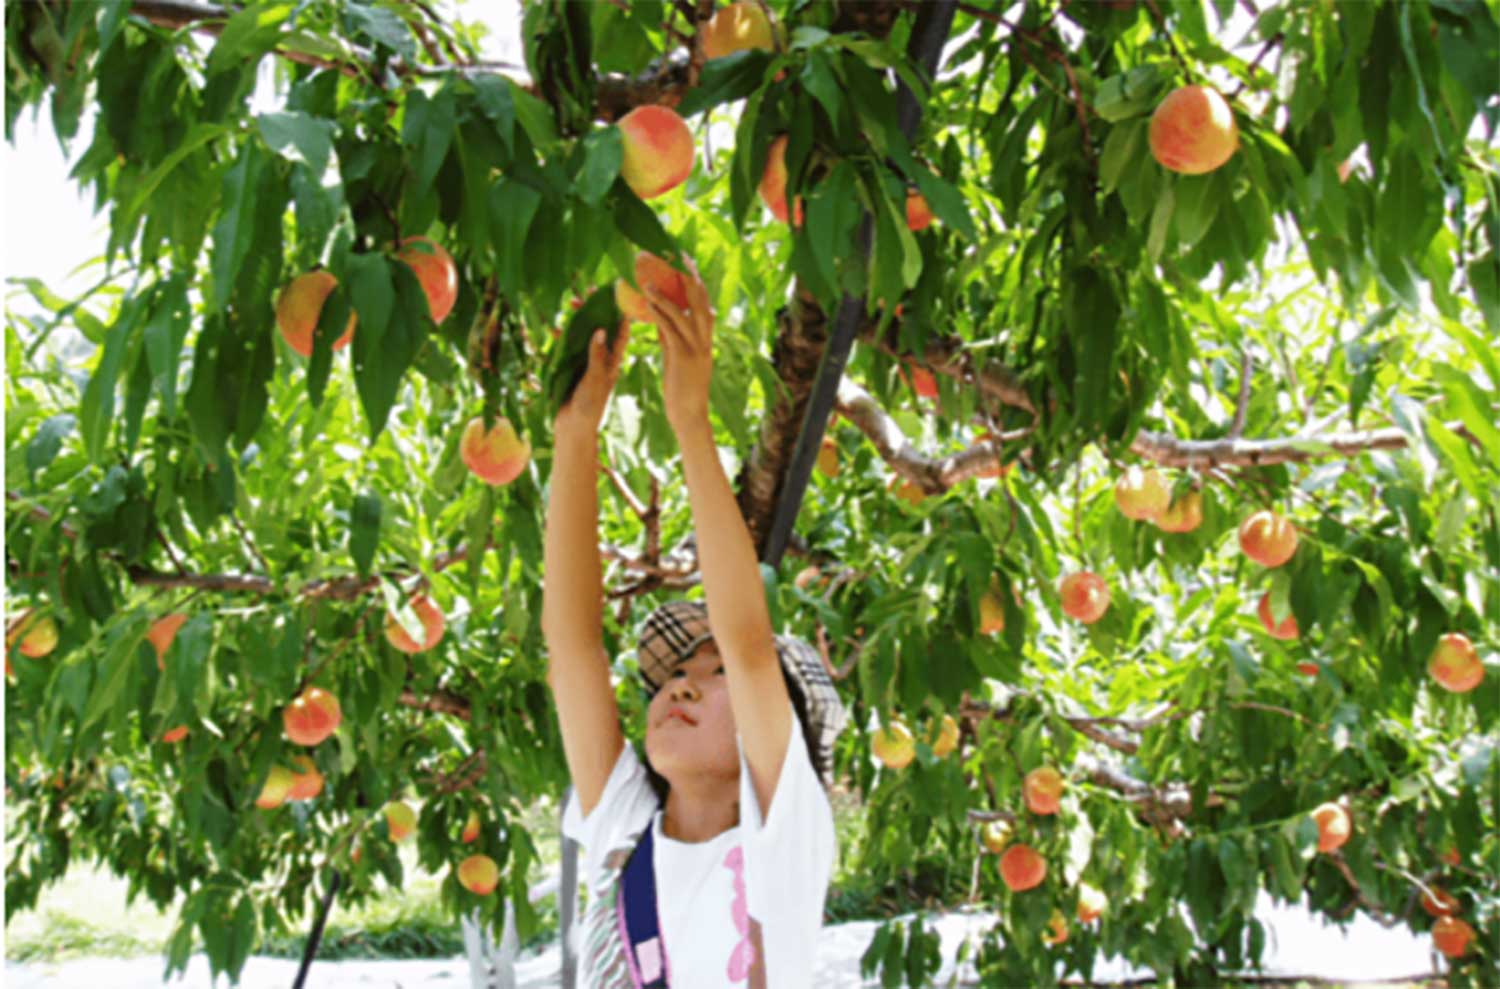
x=702, y=309
x=670, y=320
x=617, y=356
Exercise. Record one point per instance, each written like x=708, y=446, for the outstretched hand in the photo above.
x=687, y=343
x=585, y=407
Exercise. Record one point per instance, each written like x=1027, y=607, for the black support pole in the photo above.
x=934, y=22
x=316, y=937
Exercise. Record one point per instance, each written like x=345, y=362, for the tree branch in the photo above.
x=440, y=701
x=1242, y=407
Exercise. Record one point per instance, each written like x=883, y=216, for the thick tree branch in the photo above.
x=1169, y=451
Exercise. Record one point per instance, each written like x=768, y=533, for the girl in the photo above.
x=707, y=865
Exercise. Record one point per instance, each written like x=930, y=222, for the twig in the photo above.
x=624, y=491
x=1378, y=915
x=440, y=701
x=1171, y=38
x=1265, y=49
x=1247, y=365
x=1083, y=113
x=249, y=543
x=1273, y=709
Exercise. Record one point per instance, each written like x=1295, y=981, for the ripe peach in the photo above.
x=773, y=182
x=921, y=380
x=806, y=577
x=1454, y=663
x=1307, y=667
x=995, y=835
x=433, y=624
x=991, y=613
x=1022, y=867
x=1287, y=629
x=161, y=634
x=1334, y=827
x=918, y=213
x=1091, y=903
x=1058, y=929
x=312, y=716
x=479, y=874
x=471, y=828
x=651, y=272
x=1142, y=494
x=299, y=306
x=1449, y=856
x=174, y=735
x=947, y=737
x=828, y=457
x=497, y=456
x=1451, y=936
x=274, y=792
x=908, y=491
x=1043, y=789
x=1183, y=515
x=38, y=634
x=658, y=150
x=400, y=820
x=894, y=745
x=435, y=271
x=307, y=782
x=1439, y=902
x=737, y=27
x=1268, y=539
x=1193, y=131
x=1085, y=596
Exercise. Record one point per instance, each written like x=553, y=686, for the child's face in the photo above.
x=690, y=723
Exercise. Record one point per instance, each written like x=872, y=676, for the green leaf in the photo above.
x=248, y=34
x=818, y=79
x=1161, y=222
x=603, y=152
x=512, y=205
x=364, y=530
x=428, y=129
x=235, y=232
x=165, y=332
x=48, y=440
x=493, y=95
x=535, y=118
x=96, y=411
x=393, y=322
x=570, y=354
x=1120, y=148
x=298, y=137
x=111, y=679
x=726, y=79
x=640, y=223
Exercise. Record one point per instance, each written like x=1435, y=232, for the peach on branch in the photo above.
x=1334, y=826
x=1449, y=856
x=828, y=457
x=946, y=740
x=299, y=306
x=1455, y=664
x=1451, y=936
x=1285, y=629
x=1438, y=902
x=773, y=182
x=433, y=624
x=991, y=612
x=37, y=634
x=471, y=828
x=1183, y=515
x=1091, y=903
x=1308, y=668
x=894, y=745
x=312, y=716
x=1022, y=867
x=400, y=820
x=1057, y=931
x=495, y=456
x=908, y=491
x=918, y=213
x=174, y=735
x=658, y=150
x=1268, y=539
x=307, y=782
x=273, y=792
x=161, y=634
x=435, y=271
x=1142, y=494
x=479, y=874
x=1043, y=789
x=737, y=27
x=995, y=835
x=1085, y=596
x=920, y=379
x=1193, y=131
x=651, y=272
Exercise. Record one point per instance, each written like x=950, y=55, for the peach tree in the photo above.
x=1154, y=534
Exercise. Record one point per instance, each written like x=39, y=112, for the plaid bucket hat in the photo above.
x=675, y=630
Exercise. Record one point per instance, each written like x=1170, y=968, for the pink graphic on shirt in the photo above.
x=742, y=959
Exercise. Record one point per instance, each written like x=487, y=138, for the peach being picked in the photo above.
x=658, y=150
x=1193, y=131
x=497, y=455
x=651, y=272
x=299, y=306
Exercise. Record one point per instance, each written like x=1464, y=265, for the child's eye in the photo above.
x=720, y=669
x=679, y=672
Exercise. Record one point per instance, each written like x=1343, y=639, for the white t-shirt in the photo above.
x=776, y=871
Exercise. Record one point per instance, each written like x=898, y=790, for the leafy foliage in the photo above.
x=190, y=462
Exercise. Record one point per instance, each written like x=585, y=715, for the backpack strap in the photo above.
x=637, y=918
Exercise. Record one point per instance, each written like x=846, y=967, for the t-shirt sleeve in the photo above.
x=624, y=809
x=789, y=858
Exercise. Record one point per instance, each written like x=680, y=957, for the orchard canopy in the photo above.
x=1165, y=457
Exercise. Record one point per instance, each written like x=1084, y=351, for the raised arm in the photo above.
x=572, y=591
x=737, y=612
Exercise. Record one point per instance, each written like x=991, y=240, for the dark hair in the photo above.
x=660, y=785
